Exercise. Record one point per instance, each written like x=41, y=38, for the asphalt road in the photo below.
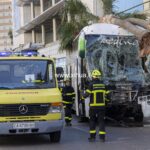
x=75, y=138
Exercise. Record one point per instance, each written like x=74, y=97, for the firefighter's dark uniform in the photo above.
x=97, y=92
x=68, y=100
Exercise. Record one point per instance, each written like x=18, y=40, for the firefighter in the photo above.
x=97, y=92
x=68, y=95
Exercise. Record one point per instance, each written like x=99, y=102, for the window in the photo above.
x=24, y=74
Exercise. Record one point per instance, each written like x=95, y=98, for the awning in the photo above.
x=50, y=12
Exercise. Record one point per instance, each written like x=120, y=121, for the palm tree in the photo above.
x=129, y=21
x=108, y=6
x=75, y=15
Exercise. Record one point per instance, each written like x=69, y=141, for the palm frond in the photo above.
x=79, y=17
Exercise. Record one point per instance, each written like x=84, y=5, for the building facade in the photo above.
x=36, y=25
x=146, y=7
x=5, y=25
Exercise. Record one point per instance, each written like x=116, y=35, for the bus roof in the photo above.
x=105, y=29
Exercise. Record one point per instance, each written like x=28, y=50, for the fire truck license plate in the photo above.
x=28, y=125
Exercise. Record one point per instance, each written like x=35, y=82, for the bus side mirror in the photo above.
x=60, y=73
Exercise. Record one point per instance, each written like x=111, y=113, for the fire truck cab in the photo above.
x=30, y=101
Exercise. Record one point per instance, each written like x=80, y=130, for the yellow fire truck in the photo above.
x=30, y=101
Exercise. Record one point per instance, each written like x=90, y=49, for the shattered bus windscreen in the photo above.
x=26, y=74
x=117, y=57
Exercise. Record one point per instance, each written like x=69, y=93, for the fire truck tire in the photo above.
x=55, y=136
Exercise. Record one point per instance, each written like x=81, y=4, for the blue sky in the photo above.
x=125, y=4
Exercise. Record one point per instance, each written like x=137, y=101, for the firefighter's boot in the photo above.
x=92, y=138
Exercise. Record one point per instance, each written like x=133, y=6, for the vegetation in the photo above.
x=133, y=15
x=75, y=15
x=131, y=22
x=108, y=6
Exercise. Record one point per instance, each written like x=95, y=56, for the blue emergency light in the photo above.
x=21, y=53
x=5, y=54
x=29, y=53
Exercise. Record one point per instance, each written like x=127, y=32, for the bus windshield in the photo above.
x=26, y=74
x=116, y=56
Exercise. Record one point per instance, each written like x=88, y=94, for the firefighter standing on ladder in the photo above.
x=68, y=100
x=97, y=93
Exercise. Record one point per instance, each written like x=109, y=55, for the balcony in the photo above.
x=49, y=13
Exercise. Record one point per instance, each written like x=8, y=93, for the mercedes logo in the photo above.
x=23, y=109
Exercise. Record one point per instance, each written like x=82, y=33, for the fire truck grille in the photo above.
x=24, y=109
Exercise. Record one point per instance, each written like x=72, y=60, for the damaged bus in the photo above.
x=114, y=51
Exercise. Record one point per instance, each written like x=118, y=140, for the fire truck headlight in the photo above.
x=56, y=108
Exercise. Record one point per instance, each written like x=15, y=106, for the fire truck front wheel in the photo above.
x=55, y=136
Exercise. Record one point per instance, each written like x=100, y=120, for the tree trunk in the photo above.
x=140, y=22
x=143, y=35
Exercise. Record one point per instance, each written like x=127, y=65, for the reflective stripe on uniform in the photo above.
x=82, y=98
x=88, y=91
x=100, y=91
x=95, y=98
x=65, y=102
x=102, y=132
x=99, y=104
x=92, y=131
x=94, y=92
x=70, y=94
x=98, y=85
x=107, y=92
x=68, y=118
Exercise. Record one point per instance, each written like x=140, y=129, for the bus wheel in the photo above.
x=138, y=116
x=55, y=136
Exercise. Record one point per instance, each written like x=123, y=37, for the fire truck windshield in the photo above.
x=26, y=74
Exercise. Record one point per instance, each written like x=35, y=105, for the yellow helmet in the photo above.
x=96, y=73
